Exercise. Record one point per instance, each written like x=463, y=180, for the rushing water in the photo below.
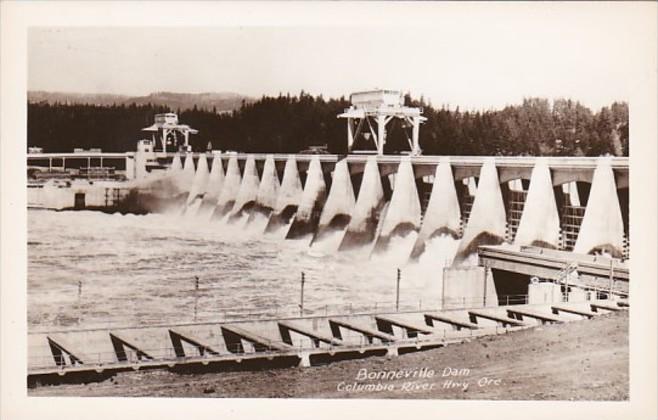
x=90, y=268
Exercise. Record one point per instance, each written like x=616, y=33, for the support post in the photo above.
x=301, y=297
x=164, y=140
x=397, y=292
x=443, y=289
x=350, y=135
x=381, y=134
x=79, y=300
x=196, y=296
x=612, y=279
x=484, y=293
x=414, y=136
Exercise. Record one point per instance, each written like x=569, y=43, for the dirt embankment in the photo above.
x=583, y=360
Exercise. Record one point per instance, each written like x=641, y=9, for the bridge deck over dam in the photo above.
x=518, y=166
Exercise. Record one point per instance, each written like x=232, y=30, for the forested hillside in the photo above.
x=288, y=124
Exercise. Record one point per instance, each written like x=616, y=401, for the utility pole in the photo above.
x=612, y=278
x=397, y=292
x=484, y=291
x=301, y=297
x=79, y=301
x=196, y=296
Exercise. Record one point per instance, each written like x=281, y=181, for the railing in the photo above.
x=515, y=161
x=242, y=314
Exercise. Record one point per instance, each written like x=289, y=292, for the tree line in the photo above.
x=289, y=124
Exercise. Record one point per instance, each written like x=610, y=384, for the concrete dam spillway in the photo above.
x=369, y=202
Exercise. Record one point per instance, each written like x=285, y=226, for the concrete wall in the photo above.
x=468, y=287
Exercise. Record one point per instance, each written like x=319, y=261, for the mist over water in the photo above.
x=142, y=268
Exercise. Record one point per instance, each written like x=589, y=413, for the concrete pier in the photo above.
x=487, y=222
x=337, y=210
x=404, y=213
x=602, y=228
x=289, y=197
x=540, y=221
x=361, y=229
x=214, y=186
x=267, y=195
x=443, y=215
x=248, y=191
x=199, y=186
x=230, y=189
x=312, y=202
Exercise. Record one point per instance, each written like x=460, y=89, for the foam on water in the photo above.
x=137, y=269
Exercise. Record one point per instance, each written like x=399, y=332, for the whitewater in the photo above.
x=90, y=269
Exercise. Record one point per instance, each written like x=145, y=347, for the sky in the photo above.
x=467, y=56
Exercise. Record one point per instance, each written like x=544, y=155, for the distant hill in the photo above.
x=220, y=101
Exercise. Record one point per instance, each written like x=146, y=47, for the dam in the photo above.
x=363, y=203
x=505, y=238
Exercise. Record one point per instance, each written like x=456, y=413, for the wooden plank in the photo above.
x=623, y=303
x=285, y=327
x=458, y=323
x=260, y=343
x=369, y=333
x=412, y=330
x=612, y=308
x=493, y=317
x=120, y=344
x=177, y=338
x=524, y=312
x=556, y=309
x=59, y=347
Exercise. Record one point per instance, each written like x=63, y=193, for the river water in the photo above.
x=92, y=269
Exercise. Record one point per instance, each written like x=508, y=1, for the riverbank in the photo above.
x=581, y=360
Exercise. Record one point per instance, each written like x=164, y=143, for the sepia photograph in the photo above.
x=432, y=204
